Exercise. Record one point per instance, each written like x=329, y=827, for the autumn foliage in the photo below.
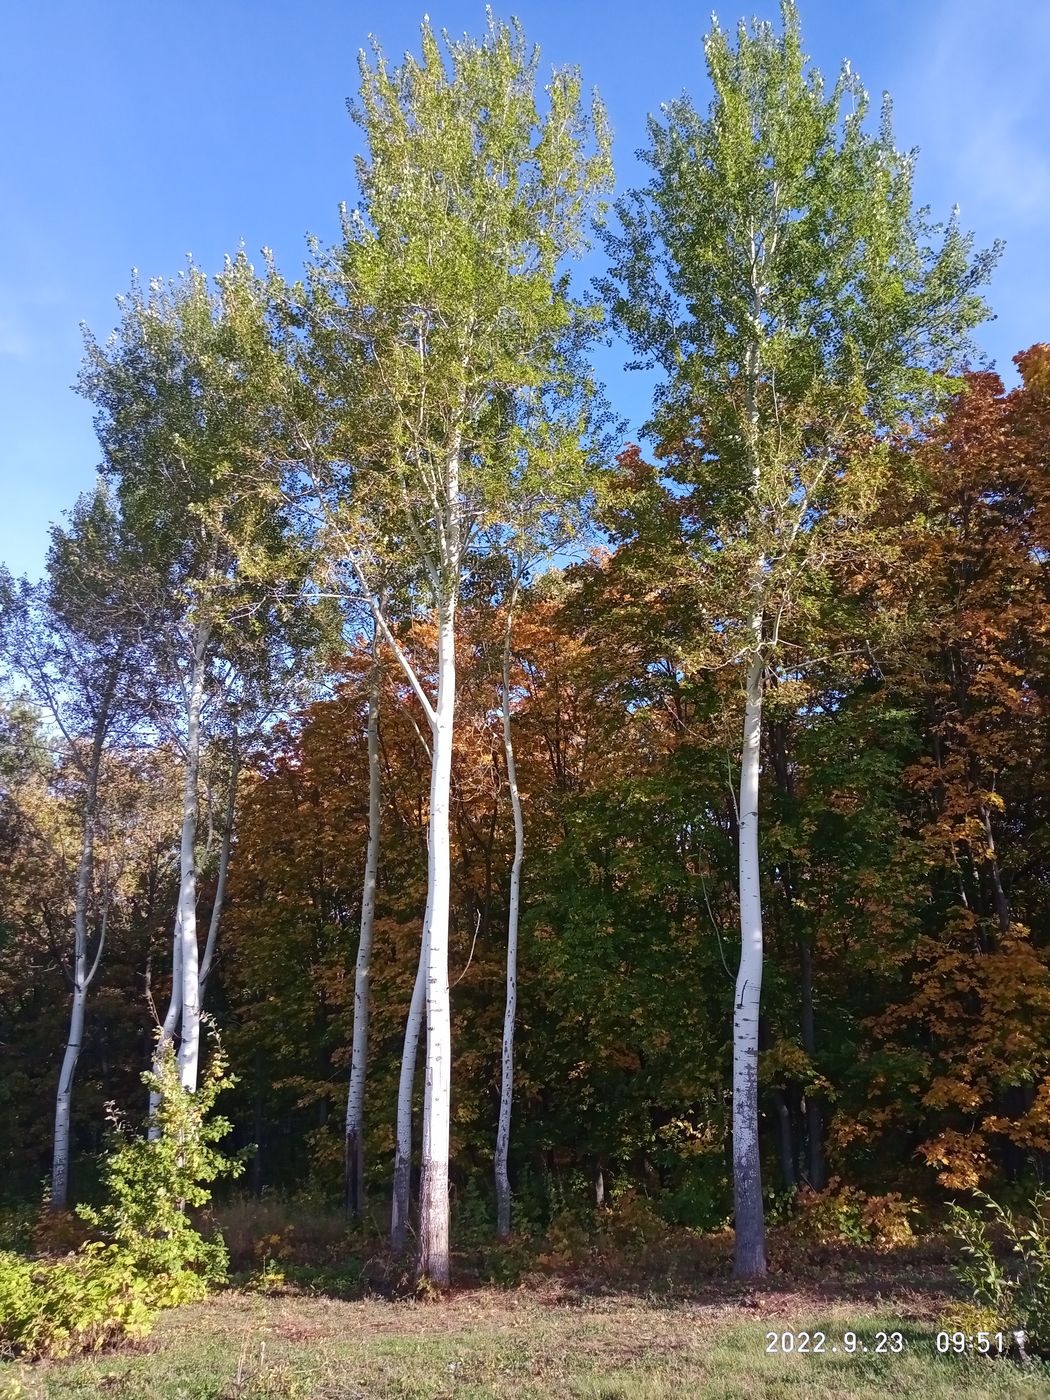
x=906, y=1024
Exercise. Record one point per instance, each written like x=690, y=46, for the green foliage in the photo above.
x=80, y=1302
x=1017, y=1288
x=801, y=310
x=16, y=1226
x=448, y=402
x=150, y=1180
x=188, y=392
x=778, y=242
x=149, y=1255
x=700, y=1200
x=184, y=393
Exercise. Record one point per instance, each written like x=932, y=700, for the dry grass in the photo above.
x=282, y=1230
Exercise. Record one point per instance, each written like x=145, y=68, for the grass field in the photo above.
x=547, y=1339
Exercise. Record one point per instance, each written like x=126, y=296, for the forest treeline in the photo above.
x=608, y=824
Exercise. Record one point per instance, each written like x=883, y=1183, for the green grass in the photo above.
x=539, y=1342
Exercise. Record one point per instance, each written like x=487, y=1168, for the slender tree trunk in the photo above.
x=433, y=1255
x=355, y=1101
x=173, y=1014
x=63, y=1100
x=83, y=975
x=785, y=1140
x=75, y=1039
x=750, y=1260
x=170, y=1023
x=814, y=1104
x=219, y=900
x=507, y=1075
x=1002, y=904
x=747, y=1179
x=403, y=1149
x=189, y=1048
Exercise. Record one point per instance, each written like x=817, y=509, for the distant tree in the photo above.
x=74, y=644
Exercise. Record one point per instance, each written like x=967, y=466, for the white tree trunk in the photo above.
x=170, y=1023
x=173, y=1015
x=355, y=1100
x=64, y=1097
x=507, y=1074
x=747, y=1180
x=81, y=981
x=83, y=975
x=433, y=1257
x=221, y=874
x=189, y=1047
x=403, y=1150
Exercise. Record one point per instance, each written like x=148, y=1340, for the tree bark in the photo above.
x=63, y=1100
x=83, y=975
x=173, y=1015
x=403, y=1149
x=750, y=1261
x=189, y=1047
x=82, y=978
x=354, y=1156
x=170, y=1023
x=507, y=1074
x=433, y=1254
x=750, y=1255
x=229, y=818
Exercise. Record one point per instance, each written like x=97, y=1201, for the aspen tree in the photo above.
x=185, y=391
x=354, y=1147
x=506, y=1093
x=74, y=640
x=800, y=307
x=444, y=308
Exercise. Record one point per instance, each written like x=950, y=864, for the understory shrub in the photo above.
x=17, y=1219
x=845, y=1214
x=292, y=1230
x=1014, y=1289
x=76, y=1303
x=147, y=1255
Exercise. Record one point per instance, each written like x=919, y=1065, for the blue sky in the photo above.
x=135, y=133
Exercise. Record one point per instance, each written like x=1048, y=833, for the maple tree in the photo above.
x=974, y=547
